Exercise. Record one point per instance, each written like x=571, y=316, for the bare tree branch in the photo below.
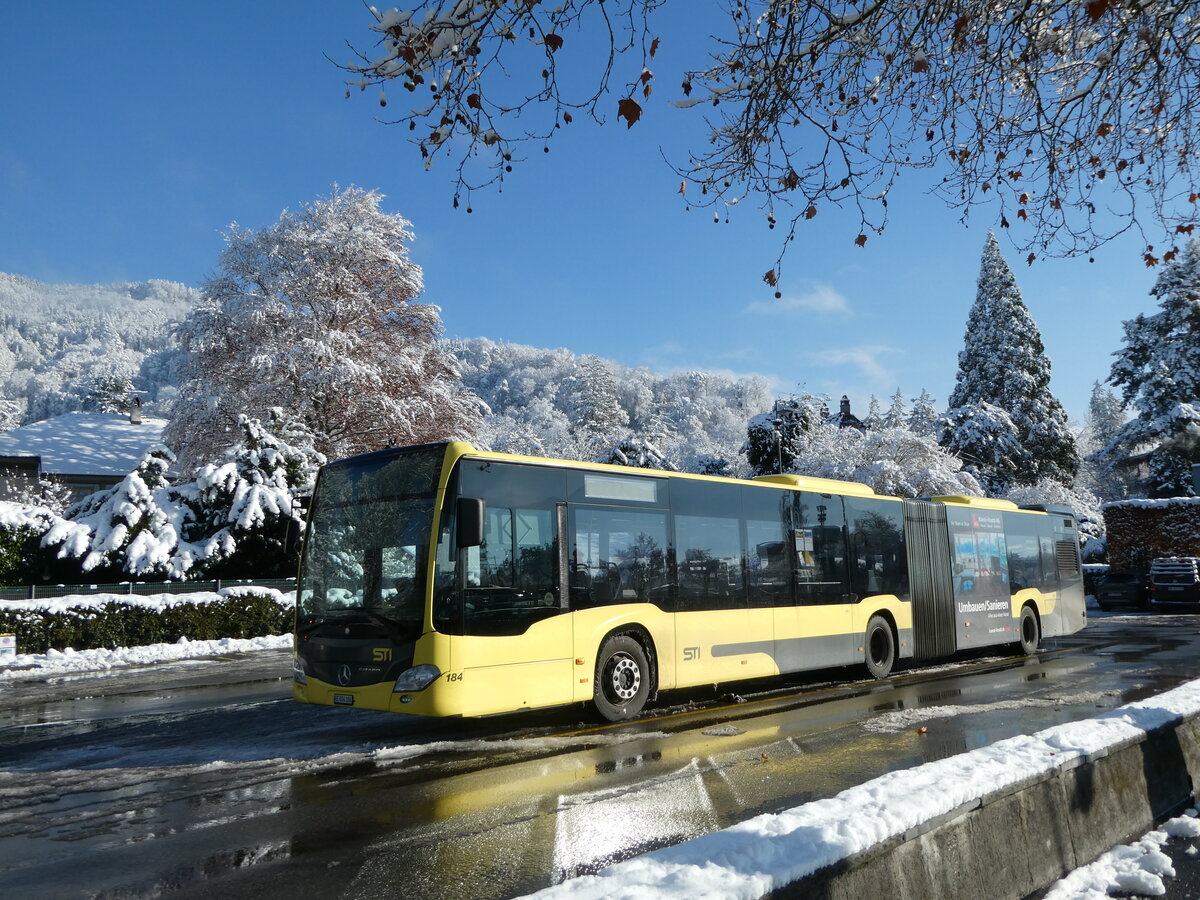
x=1076, y=120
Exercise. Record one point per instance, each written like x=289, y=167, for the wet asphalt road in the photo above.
x=205, y=780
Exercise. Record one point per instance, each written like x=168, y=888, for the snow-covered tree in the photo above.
x=1105, y=418
x=245, y=509
x=892, y=461
x=874, y=418
x=768, y=447
x=67, y=347
x=45, y=492
x=896, y=416
x=133, y=527
x=599, y=417
x=639, y=453
x=1088, y=513
x=1003, y=363
x=1024, y=106
x=986, y=440
x=1158, y=370
x=109, y=392
x=923, y=417
x=317, y=314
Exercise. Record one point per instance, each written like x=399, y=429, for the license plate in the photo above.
x=343, y=699
x=1175, y=590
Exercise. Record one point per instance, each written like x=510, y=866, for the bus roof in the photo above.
x=977, y=502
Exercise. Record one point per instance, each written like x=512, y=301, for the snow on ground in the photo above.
x=1137, y=868
x=765, y=853
x=31, y=666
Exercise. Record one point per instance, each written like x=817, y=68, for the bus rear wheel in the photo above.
x=880, y=647
x=622, y=678
x=1031, y=631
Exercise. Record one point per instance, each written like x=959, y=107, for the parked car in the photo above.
x=1175, y=582
x=1123, y=589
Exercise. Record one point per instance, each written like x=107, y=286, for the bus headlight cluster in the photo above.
x=417, y=678
x=298, y=671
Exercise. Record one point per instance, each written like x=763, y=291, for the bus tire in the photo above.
x=1031, y=631
x=622, y=682
x=879, y=646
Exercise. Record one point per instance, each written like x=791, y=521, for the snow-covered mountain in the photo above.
x=63, y=345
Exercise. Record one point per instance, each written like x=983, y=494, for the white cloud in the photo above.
x=866, y=358
x=823, y=298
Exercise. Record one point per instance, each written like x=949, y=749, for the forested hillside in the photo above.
x=69, y=346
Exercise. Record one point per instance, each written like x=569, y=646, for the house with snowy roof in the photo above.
x=86, y=451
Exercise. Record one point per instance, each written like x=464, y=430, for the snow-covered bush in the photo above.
x=239, y=518
x=21, y=530
x=133, y=527
x=1088, y=513
x=892, y=461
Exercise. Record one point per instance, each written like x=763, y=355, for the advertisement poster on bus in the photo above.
x=983, y=609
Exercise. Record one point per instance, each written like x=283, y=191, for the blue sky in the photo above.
x=132, y=134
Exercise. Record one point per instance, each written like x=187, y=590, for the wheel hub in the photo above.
x=625, y=678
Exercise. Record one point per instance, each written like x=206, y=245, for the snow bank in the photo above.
x=762, y=854
x=32, y=666
x=1137, y=868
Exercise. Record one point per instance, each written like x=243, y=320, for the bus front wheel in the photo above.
x=622, y=678
x=1031, y=631
x=880, y=649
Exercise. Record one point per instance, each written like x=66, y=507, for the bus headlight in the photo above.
x=417, y=678
x=298, y=671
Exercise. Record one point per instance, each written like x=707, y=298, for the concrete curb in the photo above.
x=1018, y=840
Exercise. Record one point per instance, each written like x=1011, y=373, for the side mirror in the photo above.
x=469, y=516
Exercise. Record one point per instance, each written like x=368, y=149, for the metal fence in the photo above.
x=143, y=588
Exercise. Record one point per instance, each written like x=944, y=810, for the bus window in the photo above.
x=820, y=539
x=618, y=555
x=768, y=537
x=509, y=581
x=1024, y=563
x=709, y=554
x=878, y=564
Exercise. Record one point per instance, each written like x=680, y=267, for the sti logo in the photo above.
x=691, y=654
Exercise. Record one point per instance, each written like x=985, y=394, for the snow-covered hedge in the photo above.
x=119, y=620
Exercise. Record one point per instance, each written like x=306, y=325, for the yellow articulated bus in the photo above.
x=441, y=580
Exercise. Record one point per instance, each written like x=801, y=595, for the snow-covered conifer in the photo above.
x=599, y=417
x=318, y=314
x=923, y=417
x=133, y=527
x=874, y=417
x=986, y=440
x=1158, y=370
x=1105, y=418
x=896, y=416
x=1003, y=363
x=246, y=508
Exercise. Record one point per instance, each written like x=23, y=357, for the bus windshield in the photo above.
x=367, y=545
